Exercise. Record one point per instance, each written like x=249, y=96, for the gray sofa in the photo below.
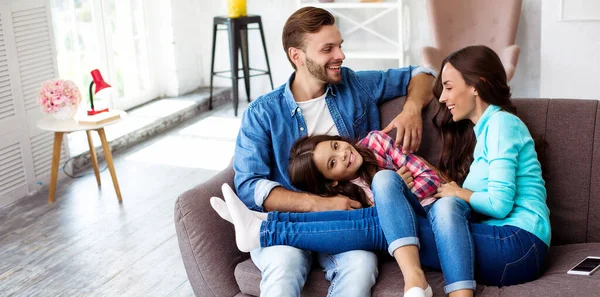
x=571, y=130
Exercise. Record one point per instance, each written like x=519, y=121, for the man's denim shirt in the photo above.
x=273, y=122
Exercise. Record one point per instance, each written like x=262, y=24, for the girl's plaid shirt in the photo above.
x=390, y=157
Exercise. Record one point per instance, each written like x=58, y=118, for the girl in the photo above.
x=486, y=149
x=330, y=166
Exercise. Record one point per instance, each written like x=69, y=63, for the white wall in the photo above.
x=570, y=64
x=526, y=82
x=193, y=34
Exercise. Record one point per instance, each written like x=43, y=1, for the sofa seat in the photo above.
x=554, y=282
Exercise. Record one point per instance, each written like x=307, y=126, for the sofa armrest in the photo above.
x=206, y=241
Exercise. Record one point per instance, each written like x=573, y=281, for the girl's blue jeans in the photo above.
x=447, y=239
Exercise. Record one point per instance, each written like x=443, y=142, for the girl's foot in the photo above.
x=220, y=207
x=419, y=292
x=247, y=226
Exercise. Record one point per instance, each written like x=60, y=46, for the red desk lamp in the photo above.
x=101, y=89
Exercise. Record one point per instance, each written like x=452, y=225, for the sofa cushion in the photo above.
x=593, y=232
x=569, y=137
x=554, y=281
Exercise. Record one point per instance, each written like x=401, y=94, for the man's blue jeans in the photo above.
x=284, y=270
x=392, y=223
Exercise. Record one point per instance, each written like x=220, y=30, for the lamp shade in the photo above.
x=99, y=81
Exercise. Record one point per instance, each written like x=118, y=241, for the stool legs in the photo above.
x=245, y=58
x=262, y=36
x=58, y=139
x=212, y=65
x=93, y=157
x=109, y=162
x=234, y=38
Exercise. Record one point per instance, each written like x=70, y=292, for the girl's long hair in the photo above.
x=305, y=176
x=481, y=68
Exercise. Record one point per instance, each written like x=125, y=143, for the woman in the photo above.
x=488, y=150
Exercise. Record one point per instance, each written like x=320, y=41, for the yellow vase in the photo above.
x=236, y=8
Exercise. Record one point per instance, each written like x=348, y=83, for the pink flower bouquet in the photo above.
x=57, y=93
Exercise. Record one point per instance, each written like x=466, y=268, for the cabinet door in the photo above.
x=27, y=58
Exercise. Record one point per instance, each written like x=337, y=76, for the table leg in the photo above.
x=109, y=161
x=58, y=138
x=93, y=156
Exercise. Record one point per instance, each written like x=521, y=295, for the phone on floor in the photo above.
x=586, y=267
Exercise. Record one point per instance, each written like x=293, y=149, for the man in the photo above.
x=321, y=97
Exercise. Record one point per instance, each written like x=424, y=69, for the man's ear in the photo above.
x=296, y=56
x=334, y=183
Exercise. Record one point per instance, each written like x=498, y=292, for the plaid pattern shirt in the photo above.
x=390, y=157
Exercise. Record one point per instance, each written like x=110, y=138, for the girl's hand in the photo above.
x=437, y=171
x=406, y=176
x=452, y=189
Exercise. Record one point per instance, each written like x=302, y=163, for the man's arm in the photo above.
x=252, y=165
x=409, y=123
x=281, y=199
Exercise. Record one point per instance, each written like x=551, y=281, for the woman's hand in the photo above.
x=406, y=176
x=452, y=189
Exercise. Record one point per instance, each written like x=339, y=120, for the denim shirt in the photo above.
x=273, y=122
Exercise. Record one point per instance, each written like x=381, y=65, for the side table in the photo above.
x=62, y=127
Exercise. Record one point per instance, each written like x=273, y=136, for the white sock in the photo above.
x=220, y=207
x=247, y=226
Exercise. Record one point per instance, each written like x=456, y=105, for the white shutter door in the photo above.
x=29, y=50
x=13, y=180
x=9, y=121
x=34, y=41
x=13, y=171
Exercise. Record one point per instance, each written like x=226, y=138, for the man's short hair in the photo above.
x=304, y=20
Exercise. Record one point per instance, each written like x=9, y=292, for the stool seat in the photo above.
x=249, y=19
x=237, y=29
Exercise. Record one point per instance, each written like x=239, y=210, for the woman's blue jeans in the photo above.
x=504, y=255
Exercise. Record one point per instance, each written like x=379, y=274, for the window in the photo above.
x=109, y=35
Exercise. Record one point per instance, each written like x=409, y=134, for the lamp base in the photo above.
x=93, y=112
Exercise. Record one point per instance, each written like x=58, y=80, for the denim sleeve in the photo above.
x=503, y=142
x=387, y=85
x=251, y=161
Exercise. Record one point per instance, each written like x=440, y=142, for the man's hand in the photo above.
x=339, y=202
x=409, y=126
x=406, y=176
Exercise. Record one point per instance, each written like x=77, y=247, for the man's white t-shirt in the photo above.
x=317, y=117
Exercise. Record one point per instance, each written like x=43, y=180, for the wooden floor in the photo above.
x=87, y=244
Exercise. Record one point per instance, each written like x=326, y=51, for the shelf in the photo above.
x=348, y=23
x=342, y=5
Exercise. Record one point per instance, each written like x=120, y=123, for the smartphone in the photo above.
x=586, y=267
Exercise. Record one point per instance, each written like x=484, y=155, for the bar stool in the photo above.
x=238, y=40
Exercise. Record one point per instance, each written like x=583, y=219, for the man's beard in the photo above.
x=320, y=72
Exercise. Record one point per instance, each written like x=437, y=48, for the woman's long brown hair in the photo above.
x=481, y=68
x=305, y=176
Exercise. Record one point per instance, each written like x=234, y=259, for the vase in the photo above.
x=236, y=8
x=65, y=113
